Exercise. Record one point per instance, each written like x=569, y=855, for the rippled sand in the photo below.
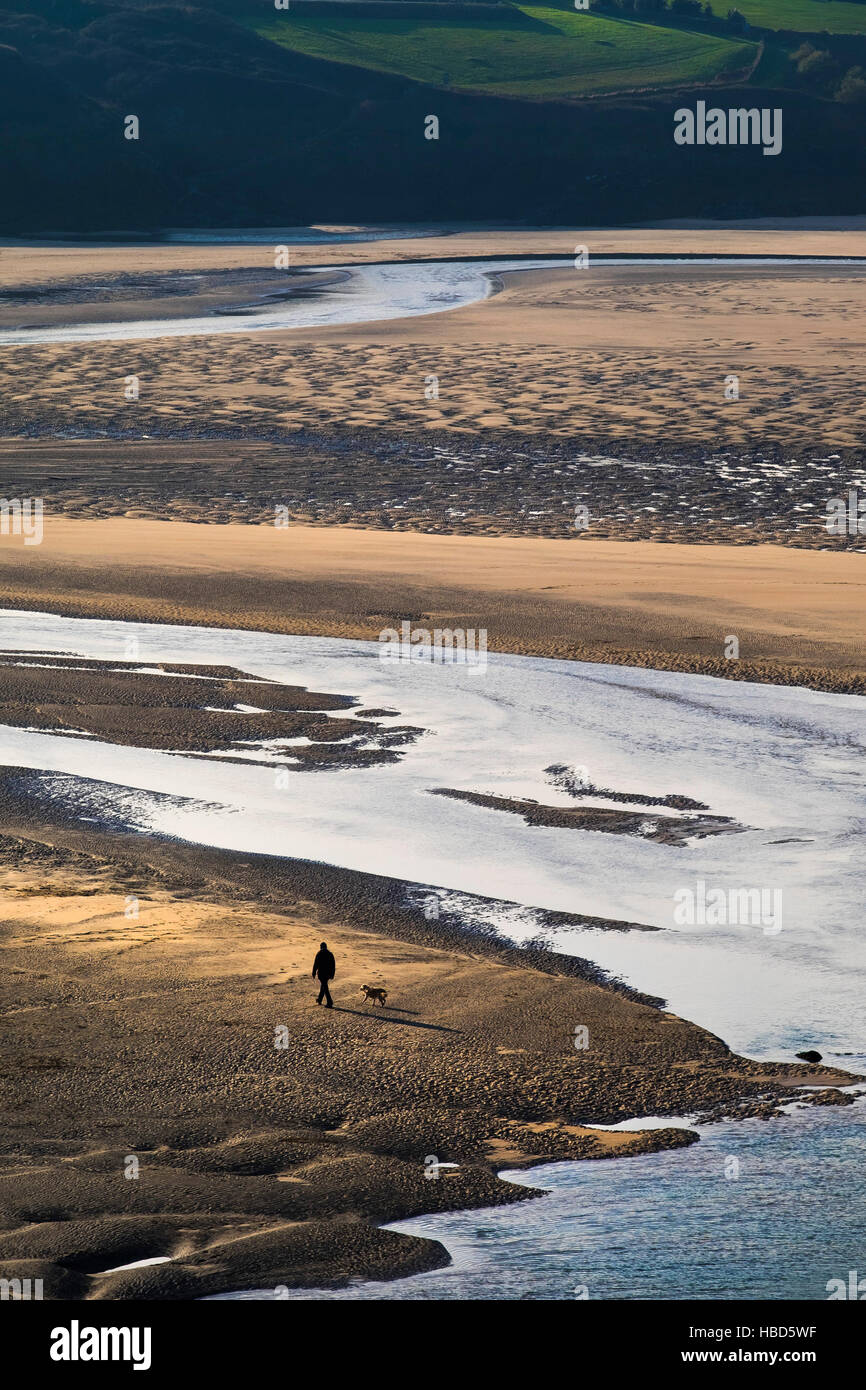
x=628, y=352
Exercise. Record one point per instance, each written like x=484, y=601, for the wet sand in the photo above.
x=797, y=614
x=118, y=296
x=119, y=704
x=428, y=482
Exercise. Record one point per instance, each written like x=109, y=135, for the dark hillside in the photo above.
x=237, y=131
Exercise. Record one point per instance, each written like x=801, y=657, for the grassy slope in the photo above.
x=798, y=16
x=805, y=16
x=556, y=54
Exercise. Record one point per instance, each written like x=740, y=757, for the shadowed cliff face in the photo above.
x=236, y=131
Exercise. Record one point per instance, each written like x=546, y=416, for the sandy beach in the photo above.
x=145, y=988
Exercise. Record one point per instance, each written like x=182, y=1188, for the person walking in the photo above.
x=324, y=969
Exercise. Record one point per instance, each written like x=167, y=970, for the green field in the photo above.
x=806, y=16
x=799, y=16
x=547, y=53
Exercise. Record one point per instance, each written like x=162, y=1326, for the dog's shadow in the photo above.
x=389, y=1017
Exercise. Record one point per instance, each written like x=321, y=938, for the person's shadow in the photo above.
x=387, y=1017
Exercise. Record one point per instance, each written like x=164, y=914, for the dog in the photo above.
x=371, y=992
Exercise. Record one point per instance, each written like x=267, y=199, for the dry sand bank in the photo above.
x=33, y=263
x=796, y=613
x=152, y=1036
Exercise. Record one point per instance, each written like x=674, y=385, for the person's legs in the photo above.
x=327, y=993
x=323, y=991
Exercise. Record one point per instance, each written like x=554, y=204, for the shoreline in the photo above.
x=347, y=1157
x=629, y=603
x=247, y=291
x=229, y=292
x=509, y=1233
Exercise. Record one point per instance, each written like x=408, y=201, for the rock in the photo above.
x=811, y=1056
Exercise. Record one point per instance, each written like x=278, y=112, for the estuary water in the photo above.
x=755, y=1210
x=785, y=765
x=365, y=294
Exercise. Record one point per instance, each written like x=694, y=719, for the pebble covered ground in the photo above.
x=487, y=483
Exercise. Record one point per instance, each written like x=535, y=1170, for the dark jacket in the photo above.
x=324, y=966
